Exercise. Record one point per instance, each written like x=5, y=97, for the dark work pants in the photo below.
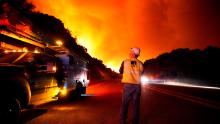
x=131, y=93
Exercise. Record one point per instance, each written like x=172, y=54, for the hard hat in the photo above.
x=136, y=51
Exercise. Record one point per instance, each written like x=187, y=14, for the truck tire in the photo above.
x=80, y=89
x=83, y=90
x=10, y=110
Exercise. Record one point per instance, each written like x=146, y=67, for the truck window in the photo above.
x=44, y=63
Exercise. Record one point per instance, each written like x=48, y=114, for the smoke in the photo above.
x=110, y=28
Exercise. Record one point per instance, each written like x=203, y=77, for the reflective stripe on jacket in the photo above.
x=132, y=70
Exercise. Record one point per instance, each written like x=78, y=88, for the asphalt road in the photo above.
x=159, y=105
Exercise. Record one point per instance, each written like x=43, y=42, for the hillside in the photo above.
x=196, y=66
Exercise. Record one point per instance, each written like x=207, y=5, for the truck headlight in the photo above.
x=63, y=91
x=144, y=79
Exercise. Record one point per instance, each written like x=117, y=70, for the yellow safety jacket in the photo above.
x=132, y=70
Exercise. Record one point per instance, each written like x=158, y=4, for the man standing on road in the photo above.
x=132, y=70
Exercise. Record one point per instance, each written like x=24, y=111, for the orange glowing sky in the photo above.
x=109, y=28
